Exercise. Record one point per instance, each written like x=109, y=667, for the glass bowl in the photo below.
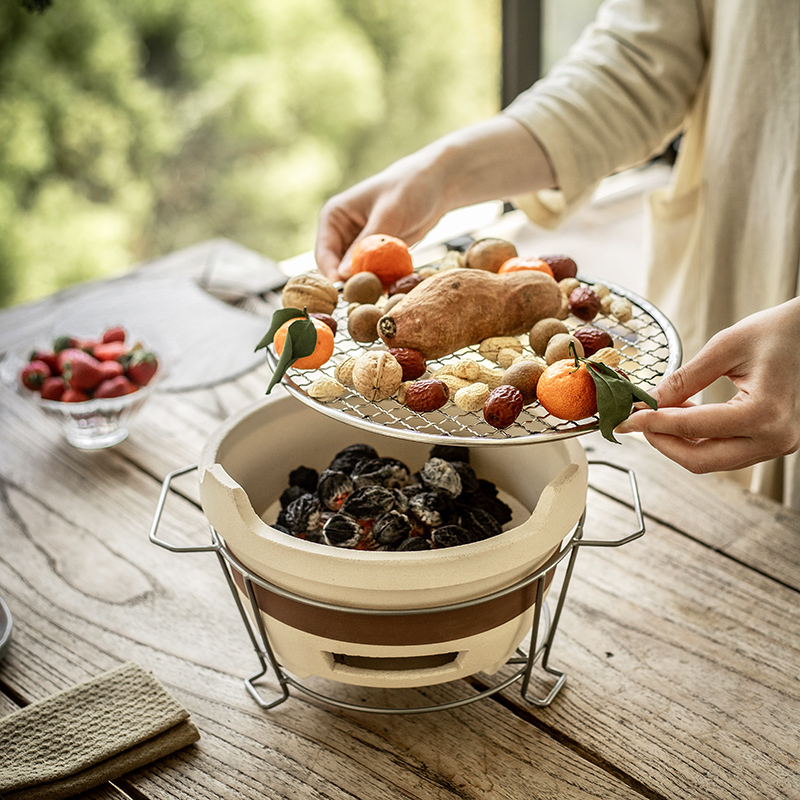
x=93, y=424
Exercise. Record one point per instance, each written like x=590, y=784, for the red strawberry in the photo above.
x=109, y=351
x=142, y=368
x=115, y=387
x=111, y=369
x=66, y=355
x=115, y=334
x=83, y=373
x=53, y=388
x=49, y=358
x=33, y=375
x=74, y=396
x=64, y=342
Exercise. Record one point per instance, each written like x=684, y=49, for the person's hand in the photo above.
x=405, y=200
x=491, y=160
x=761, y=356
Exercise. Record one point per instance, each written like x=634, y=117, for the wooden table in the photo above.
x=682, y=648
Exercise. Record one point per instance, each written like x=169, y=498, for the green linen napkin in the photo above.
x=89, y=734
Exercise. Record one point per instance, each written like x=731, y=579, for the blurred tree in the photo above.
x=128, y=130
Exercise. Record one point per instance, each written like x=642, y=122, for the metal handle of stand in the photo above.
x=162, y=499
x=637, y=508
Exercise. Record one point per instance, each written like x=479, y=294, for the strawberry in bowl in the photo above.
x=92, y=386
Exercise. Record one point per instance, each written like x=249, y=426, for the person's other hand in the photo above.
x=761, y=356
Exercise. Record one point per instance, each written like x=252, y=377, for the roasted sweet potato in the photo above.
x=462, y=307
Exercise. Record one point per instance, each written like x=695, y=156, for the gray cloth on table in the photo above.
x=89, y=734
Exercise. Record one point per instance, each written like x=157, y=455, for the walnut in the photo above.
x=325, y=388
x=311, y=291
x=472, y=397
x=490, y=348
x=344, y=371
x=377, y=375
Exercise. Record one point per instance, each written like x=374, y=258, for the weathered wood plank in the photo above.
x=682, y=664
x=712, y=509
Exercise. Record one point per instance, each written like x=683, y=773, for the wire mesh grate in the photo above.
x=648, y=343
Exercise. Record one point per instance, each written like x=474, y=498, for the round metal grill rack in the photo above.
x=648, y=344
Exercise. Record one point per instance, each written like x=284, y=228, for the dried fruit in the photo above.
x=562, y=266
x=584, y=303
x=377, y=375
x=480, y=523
x=558, y=347
x=525, y=376
x=412, y=362
x=503, y=406
x=593, y=339
x=488, y=254
x=304, y=477
x=311, y=291
x=413, y=543
x=327, y=319
x=364, y=287
x=405, y=284
x=427, y=395
x=471, y=398
x=543, y=331
x=362, y=324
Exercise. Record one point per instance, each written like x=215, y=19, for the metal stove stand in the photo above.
x=544, y=626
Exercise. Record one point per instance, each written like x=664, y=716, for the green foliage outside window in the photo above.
x=128, y=130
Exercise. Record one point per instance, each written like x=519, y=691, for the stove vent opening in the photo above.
x=394, y=663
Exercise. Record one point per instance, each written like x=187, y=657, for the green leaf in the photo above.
x=278, y=318
x=615, y=397
x=301, y=339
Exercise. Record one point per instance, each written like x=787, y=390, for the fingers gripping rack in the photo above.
x=521, y=664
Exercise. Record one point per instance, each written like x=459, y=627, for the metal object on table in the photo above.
x=6, y=626
x=648, y=342
x=540, y=642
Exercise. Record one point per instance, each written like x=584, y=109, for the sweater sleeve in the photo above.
x=616, y=100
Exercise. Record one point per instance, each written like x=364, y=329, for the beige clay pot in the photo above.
x=243, y=470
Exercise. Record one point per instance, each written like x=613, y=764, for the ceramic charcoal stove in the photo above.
x=404, y=619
